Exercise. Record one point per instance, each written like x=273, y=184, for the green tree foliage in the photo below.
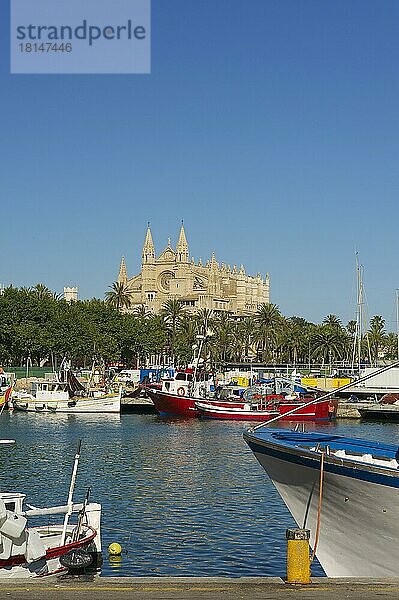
x=118, y=296
x=376, y=336
x=173, y=313
x=36, y=323
x=268, y=321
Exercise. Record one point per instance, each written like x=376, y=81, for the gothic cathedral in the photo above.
x=174, y=275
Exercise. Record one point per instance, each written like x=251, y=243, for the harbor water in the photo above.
x=182, y=497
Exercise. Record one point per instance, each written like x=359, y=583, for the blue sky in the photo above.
x=270, y=126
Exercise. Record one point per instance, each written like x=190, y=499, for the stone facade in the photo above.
x=174, y=275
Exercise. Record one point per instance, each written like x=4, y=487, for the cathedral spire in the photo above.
x=122, y=276
x=182, y=246
x=148, y=248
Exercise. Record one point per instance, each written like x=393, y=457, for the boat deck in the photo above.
x=195, y=588
x=310, y=440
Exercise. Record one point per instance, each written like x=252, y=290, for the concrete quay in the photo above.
x=197, y=588
x=349, y=410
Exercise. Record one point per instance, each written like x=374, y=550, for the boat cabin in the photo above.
x=183, y=382
x=13, y=501
x=50, y=390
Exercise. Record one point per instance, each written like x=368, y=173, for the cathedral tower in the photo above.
x=182, y=252
x=148, y=253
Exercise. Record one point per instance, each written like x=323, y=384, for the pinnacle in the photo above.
x=122, y=276
x=182, y=244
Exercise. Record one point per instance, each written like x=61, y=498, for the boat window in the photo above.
x=180, y=376
x=189, y=377
x=10, y=506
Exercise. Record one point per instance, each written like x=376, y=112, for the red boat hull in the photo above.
x=51, y=553
x=314, y=412
x=173, y=405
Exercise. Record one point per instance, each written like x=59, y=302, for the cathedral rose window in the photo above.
x=164, y=280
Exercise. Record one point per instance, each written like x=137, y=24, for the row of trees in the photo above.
x=34, y=322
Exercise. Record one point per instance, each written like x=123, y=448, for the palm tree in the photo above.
x=223, y=337
x=187, y=330
x=41, y=291
x=246, y=332
x=118, y=296
x=376, y=335
x=268, y=320
x=332, y=321
x=391, y=346
x=329, y=343
x=25, y=290
x=291, y=341
x=204, y=319
x=351, y=327
x=172, y=312
x=141, y=312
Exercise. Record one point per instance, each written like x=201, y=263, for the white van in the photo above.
x=132, y=375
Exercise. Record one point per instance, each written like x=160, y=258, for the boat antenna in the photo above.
x=71, y=490
x=202, y=340
x=319, y=399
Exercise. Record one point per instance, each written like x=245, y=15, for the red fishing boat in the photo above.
x=178, y=394
x=264, y=411
x=181, y=396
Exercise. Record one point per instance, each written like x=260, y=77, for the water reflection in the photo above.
x=181, y=497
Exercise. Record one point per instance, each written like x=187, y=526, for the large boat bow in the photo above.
x=359, y=516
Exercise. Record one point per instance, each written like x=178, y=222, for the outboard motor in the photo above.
x=12, y=533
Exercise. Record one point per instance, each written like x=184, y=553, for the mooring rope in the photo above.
x=319, y=506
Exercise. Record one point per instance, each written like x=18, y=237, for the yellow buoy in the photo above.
x=115, y=561
x=115, y=549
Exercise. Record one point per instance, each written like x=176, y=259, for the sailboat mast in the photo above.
x=358, y=336
x=397, y=319
x=359, y=341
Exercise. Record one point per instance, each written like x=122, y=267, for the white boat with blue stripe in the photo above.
x=359, y=513
x=345, y=490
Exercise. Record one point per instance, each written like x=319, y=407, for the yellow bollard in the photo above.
x=298, y=557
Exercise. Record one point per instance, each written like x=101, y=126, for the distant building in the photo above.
x=174, y=275
x=70, y=294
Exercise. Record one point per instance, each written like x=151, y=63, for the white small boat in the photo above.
x=6, y=387
x=66, y=395
x=41, y=551
x=46, y=550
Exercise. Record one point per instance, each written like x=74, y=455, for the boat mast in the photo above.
x=358, y=335
x=28, y=360
x=202, y=340
x=397, y=319
x=70, y=494
x=360, y=320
